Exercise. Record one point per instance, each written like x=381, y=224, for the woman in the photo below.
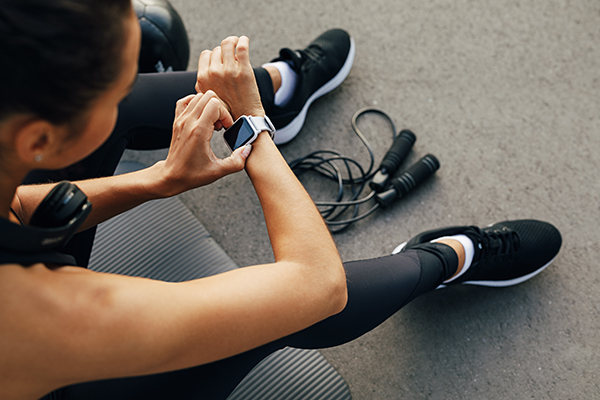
x=68, y=64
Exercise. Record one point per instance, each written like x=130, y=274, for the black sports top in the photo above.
x=8, y=256
x=13, y=251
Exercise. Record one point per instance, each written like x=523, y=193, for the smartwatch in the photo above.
x=246, y=129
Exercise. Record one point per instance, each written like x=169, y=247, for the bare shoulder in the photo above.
x=67, y=325
x=33, y=304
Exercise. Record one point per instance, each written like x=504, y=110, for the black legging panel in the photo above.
x=377, y=288
x=145, y=122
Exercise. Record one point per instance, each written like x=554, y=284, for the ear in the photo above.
x=35, y=140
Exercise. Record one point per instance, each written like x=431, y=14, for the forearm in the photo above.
x=132, y=326
x=109, y=196
x=190, y=163
x=296, y=228
x=202, y=321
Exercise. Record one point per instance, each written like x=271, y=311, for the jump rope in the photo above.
x=386, y=187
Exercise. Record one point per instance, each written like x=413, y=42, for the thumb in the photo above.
x=237, y=160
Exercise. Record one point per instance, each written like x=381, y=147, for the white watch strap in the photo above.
x=264, y=124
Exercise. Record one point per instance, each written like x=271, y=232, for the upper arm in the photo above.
x=28, y=197
x=42, y=321
x=70, y=324
x=17, y=207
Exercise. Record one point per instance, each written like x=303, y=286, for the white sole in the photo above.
x=399, y=248
x=510, y=282
x=290, y=131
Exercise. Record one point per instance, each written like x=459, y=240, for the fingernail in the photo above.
x=246, y=150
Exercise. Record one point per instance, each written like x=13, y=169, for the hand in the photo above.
x=191, y=161
x=227, y=71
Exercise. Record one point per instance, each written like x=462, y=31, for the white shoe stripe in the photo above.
x=399, y=248
x=509, y=282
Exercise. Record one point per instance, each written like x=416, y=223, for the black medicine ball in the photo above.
x=165, y=45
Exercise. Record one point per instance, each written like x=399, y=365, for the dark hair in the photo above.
x=58, y=56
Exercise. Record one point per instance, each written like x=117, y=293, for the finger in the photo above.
x=228, y=49
x=216, y=58
x=196, y=107
x=182, y=104
x=236, y=161
x=214, y=111
x=197, y=104
x=226, y=119
x=204, y=60
x=243, y=50
x=223, y=167
x=193, y=110
x=203, y=64
x=198, y=115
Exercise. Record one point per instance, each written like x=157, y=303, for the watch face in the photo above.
x=239, y=134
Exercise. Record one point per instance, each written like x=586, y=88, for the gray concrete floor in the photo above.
x=505, y=94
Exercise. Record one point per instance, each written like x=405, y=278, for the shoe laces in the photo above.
x=498, y=245
x=304, y=59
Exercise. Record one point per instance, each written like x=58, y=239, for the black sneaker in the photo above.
x=506, y=253
x=321, y=67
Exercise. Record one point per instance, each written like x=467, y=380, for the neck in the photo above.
x=12, y=170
